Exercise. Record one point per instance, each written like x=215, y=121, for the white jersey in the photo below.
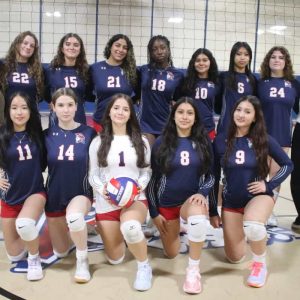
x=121, y=162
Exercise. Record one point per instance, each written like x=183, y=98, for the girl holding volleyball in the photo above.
x=121, y=151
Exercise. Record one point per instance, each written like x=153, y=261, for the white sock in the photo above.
x=33, y=256
x=259, y=258
x=194, y=262
x=141, y=264
x=81, y=254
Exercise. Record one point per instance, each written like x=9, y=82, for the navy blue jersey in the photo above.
x=68, y=161
x=107, y=81
x=241, y=169
x=24, y=169
x=204, y=94
x=184, y=179
x=229, y=97
x=21, y=81
x=158, y=89
x=68, y=77
x=277, y=97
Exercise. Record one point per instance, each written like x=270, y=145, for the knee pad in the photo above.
x=197, y=228
x=115, y=262
x=26, y=229
x=16, y=258
x=76, y=222
x=254, y=231
x=132, y=231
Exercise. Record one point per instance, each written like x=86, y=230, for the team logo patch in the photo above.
x=249, y=143
x=287, y=84
x=210, y=84
x=170, y=75
x=79, y=138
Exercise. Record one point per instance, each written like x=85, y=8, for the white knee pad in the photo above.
x=26, y=229
x=254, y=231
x=132, y=231
x=76, y=222
x=197, y=228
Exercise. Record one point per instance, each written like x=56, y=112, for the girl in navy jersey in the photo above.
x=201, y=84
x=116, y=74
x=160, y=81
x=69, y=69
x=22, y=190
x=247, y=195
x=238, y=81
x=120, y=150
x=181, y=180
x=277, y=91
x=68, y=190
x=21, y=69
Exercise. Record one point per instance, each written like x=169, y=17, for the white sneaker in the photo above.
x=272, y=221
x=82, y=274
x=143, y=278
x=34, y=269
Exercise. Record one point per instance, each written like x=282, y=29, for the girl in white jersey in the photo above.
x=120, y=150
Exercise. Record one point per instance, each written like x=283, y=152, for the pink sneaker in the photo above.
x=258, y=275
x=192, y=284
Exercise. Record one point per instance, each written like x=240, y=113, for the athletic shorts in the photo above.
x=170, y=213
x=13, y=211
x=59, y=210
x=114, y=215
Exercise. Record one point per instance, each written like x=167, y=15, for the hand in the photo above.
x=105, y=195
x=4, y=183
x=161, y=223
x=198, y=199
x=257, y=187
x=215, y=221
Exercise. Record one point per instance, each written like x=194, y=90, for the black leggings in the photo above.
x=295, y=176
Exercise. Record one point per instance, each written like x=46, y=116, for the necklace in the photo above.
x=20, y=139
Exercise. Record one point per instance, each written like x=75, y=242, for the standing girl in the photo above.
x=159, y=82
x=238, y=81
x=120, y=150
x=116, y=74
x=21, y=69
x=201, y=84
x=22, y=196
x=247, y=195
x=69, y=193
x=277, y=90
x=181, y=180
x=69, y=69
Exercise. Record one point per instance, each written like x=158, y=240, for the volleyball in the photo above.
x=122, y=191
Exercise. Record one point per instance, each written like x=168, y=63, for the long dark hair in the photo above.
x=191, y=73
x=81, y=63
x=257, y=134
x=128, y=65
x=132, y=129
x=169, y=142
x=33, y=127
x=288, y=72
x=34, y=64
x=231, y=81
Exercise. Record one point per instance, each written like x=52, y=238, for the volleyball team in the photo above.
x=154, y=124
